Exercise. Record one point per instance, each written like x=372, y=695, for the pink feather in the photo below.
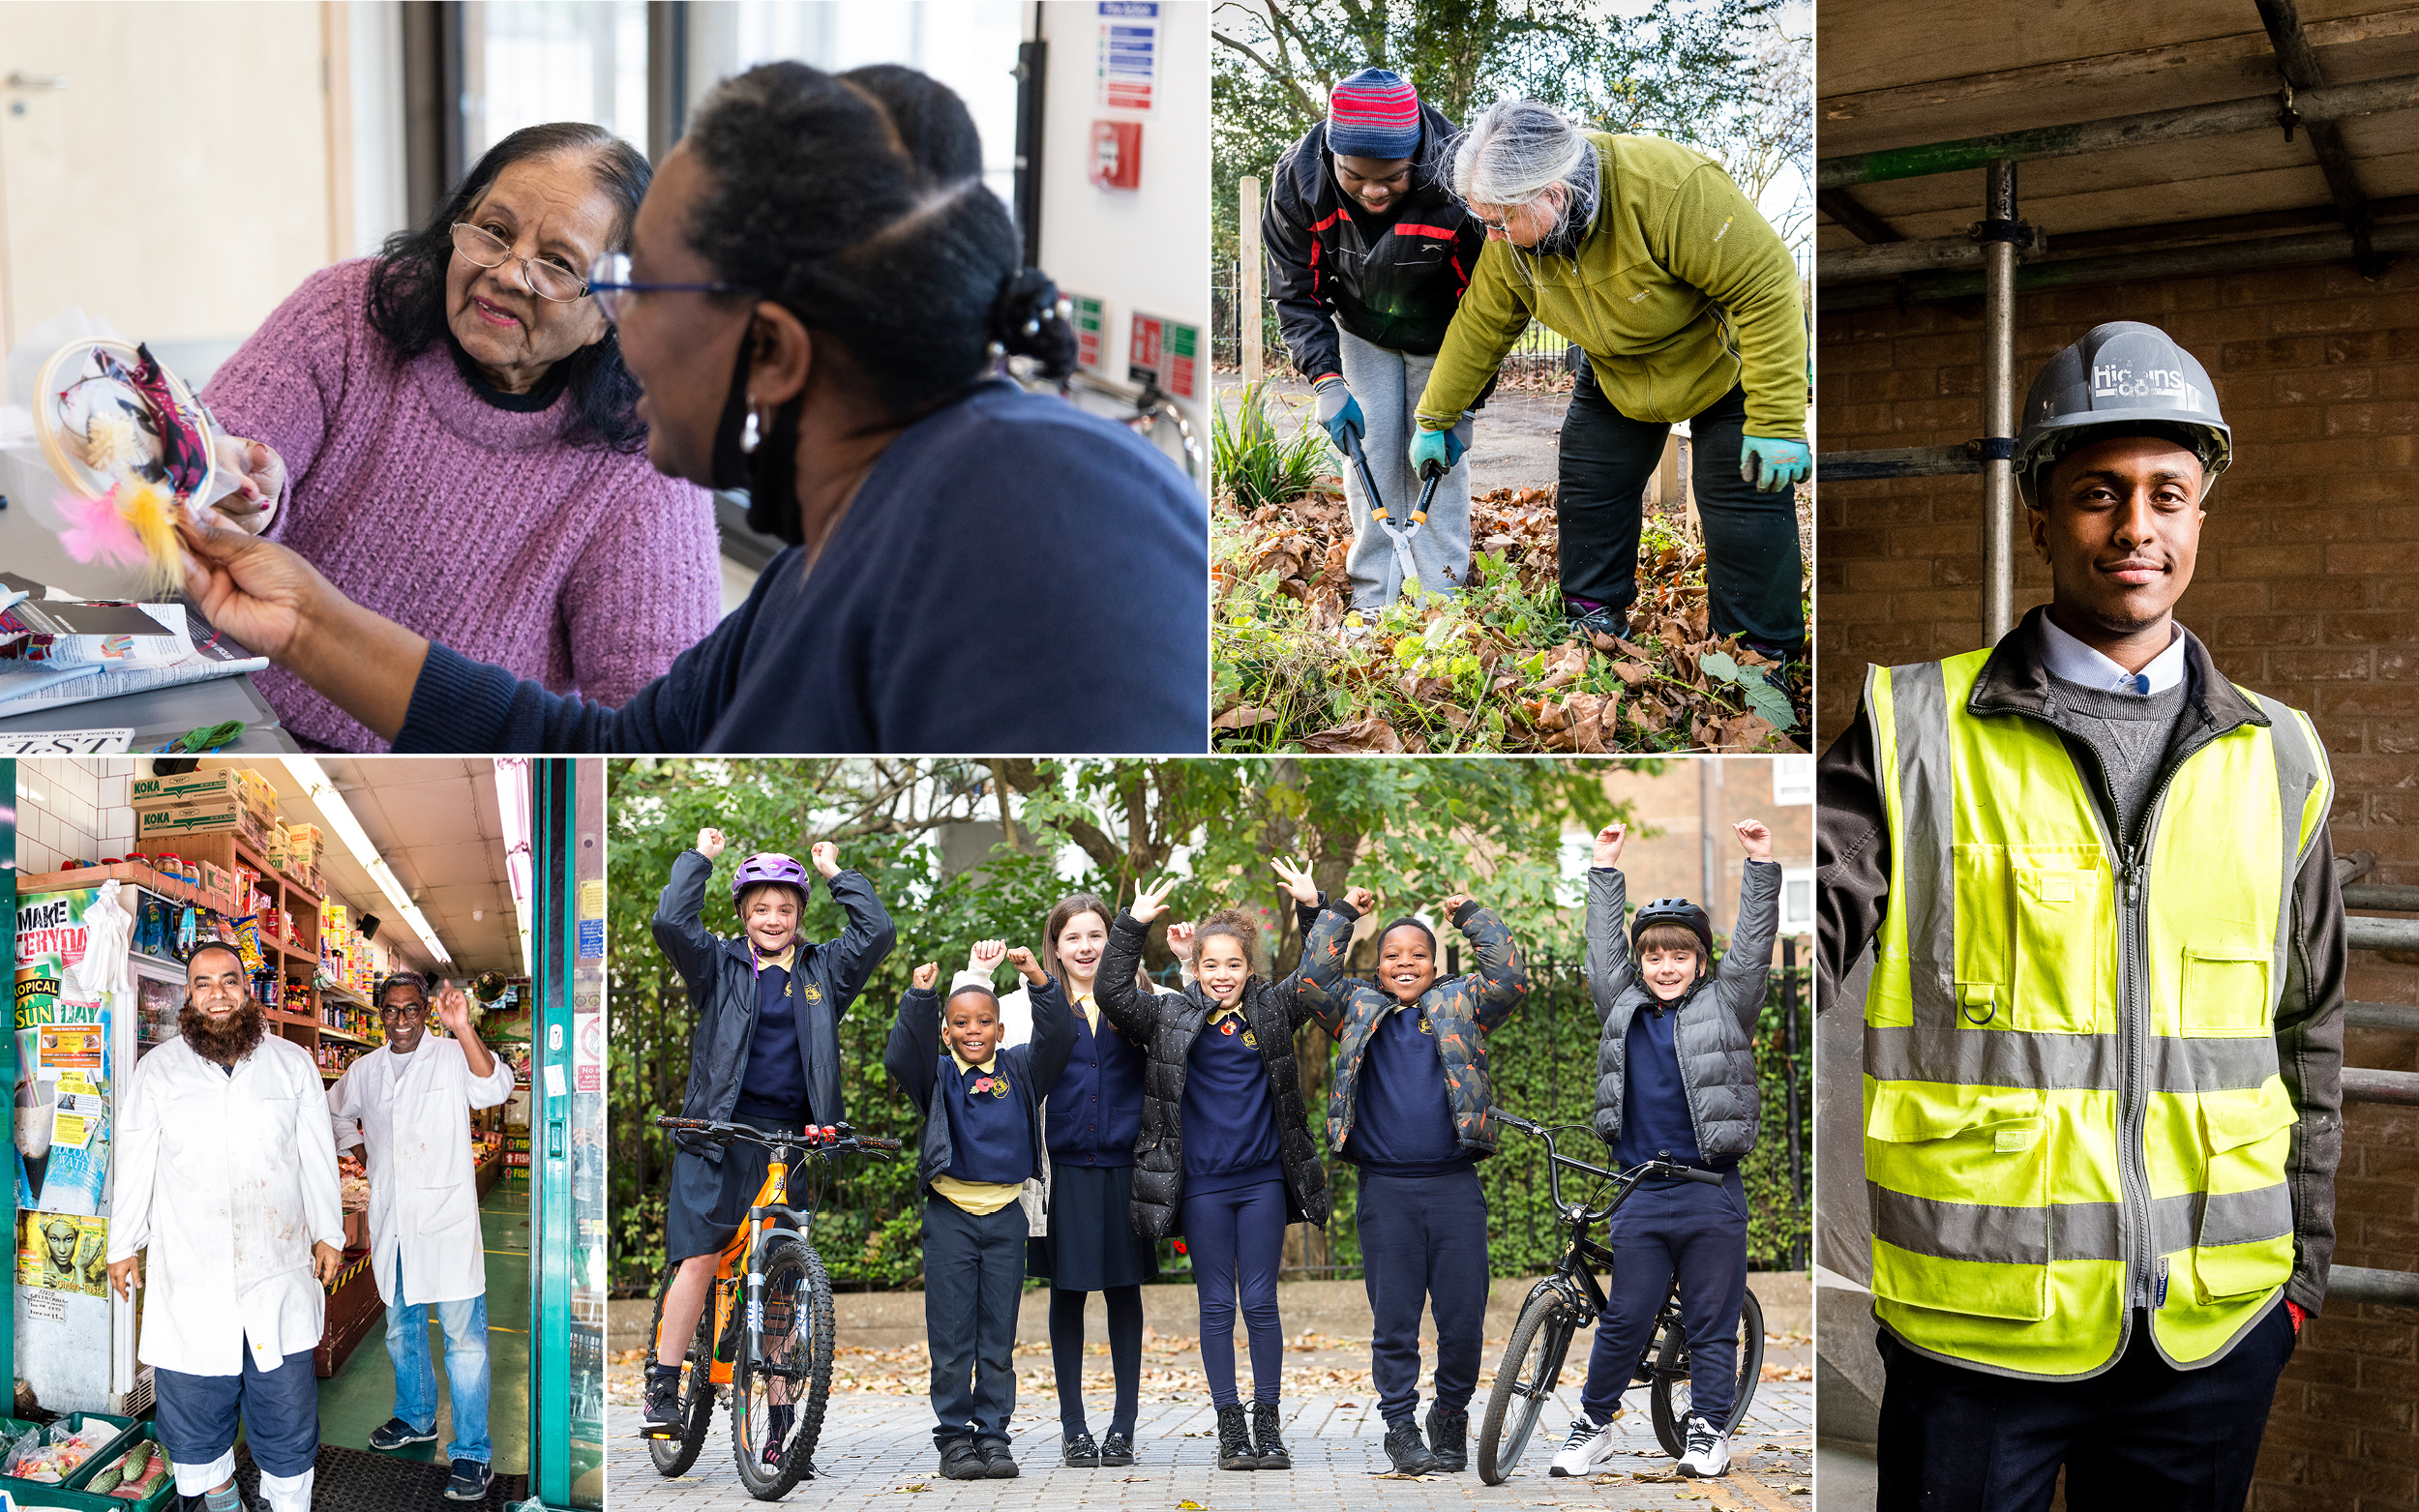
x=96, y=530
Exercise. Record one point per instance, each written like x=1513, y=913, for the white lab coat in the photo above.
x=228, y=1179
x=424, y=1190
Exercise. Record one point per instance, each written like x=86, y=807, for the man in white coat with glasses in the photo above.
x=412, y=1100
x=227, y=1171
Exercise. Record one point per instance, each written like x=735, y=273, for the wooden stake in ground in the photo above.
x=1247, y=292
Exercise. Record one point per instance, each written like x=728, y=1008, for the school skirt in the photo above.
x=1091, y=1246
x=709, y=1201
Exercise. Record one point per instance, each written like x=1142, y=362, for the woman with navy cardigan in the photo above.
x=1092, y=1115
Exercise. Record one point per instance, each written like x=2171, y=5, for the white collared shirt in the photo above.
x=2076, y=663
x=228, y=1179
x=424, y=1190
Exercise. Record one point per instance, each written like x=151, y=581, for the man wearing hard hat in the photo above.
x=412, y=1100
x=2104, y=1037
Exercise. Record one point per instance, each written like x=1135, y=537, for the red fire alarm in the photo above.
x=1116, y=153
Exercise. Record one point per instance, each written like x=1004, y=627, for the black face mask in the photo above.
x=768, y=475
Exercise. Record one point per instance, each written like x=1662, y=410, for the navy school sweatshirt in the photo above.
x=989, y=1138
x=1229, y=1115
x=972, y=555
x=773, y=1086
x=1404, y=1121
x=1655, y=1123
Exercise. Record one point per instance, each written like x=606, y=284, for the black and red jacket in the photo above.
x=1393, y=283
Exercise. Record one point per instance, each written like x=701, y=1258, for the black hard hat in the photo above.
x=1673, y=910
x=2121, y=378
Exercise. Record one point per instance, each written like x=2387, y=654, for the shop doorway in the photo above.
x=328, y=877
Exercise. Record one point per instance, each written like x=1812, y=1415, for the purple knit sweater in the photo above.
x=482, y=528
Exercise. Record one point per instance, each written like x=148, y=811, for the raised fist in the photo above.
x=1608, y=843
x=926, y=975
x=827, y=858
x=709, y=842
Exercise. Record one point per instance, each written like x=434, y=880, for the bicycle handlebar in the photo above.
x=1625, y=1180
x=828, y=1140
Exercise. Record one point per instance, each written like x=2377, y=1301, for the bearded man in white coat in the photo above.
x=227, y=1170
x=412, y=1100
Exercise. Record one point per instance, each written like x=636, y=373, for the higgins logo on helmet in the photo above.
x=2111, y=381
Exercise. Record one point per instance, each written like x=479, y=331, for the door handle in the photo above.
x=21, y=80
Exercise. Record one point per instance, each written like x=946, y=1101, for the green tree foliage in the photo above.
x=1411, y=831
x=1689, y=70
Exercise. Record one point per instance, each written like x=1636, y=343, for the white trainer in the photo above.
x=1589, y=1447
x=1709, y=1449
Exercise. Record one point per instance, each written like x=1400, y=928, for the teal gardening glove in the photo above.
x=1441, y=447
x=1774, y=466
x=1340, y=412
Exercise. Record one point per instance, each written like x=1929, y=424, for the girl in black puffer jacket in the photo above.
x=1225, y=1156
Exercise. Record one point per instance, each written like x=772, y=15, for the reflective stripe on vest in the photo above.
x=2071, y=1104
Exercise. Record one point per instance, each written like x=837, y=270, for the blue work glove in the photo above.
x=1340, y=412
x=1774, y=466
x=1442, y=447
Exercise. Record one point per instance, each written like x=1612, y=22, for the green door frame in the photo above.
x=554, y=836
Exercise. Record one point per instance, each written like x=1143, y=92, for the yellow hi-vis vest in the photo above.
x=2071, y=1106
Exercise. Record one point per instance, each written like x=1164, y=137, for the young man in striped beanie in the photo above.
x=1368, y=255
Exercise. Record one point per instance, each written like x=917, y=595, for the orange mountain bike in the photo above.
x=768, y=1335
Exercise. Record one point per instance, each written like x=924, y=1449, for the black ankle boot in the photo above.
x=1272, y=1455
x=1235, y=1452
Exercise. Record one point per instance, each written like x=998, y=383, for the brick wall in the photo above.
x=2306, y=588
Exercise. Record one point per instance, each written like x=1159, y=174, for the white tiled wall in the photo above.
x=73, y=809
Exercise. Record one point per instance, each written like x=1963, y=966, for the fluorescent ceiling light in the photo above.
x=512, y=802
x=330, y=803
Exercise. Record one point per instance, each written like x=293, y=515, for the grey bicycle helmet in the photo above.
x=2122, y=378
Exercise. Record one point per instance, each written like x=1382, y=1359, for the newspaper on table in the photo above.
x=184, y=659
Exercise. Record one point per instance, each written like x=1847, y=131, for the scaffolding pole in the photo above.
x=2000, y=231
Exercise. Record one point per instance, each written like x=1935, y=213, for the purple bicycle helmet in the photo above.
x=770, y=866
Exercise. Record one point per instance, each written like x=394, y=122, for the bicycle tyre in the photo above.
x=1671, y=1377
x=675, y=1456
x=793, y=1279
x=1542, y=1334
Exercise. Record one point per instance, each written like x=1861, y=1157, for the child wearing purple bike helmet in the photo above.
x=765, y=1053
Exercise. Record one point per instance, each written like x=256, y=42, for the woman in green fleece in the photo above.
x=1647, y=256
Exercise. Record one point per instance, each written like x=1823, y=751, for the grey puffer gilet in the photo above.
x=1715, y=1034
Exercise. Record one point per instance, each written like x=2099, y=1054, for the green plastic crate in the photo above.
x=41, y=1492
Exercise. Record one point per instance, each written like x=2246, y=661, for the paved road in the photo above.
x=877, y=1447
x=1515, y=445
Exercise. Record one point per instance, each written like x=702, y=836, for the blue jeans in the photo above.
x=465, y=1368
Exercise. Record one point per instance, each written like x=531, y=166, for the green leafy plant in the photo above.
x=1255, y=465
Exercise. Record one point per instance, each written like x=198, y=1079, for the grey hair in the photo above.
x=1517, y=150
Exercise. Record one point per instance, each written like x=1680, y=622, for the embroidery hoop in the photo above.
x=60, y=446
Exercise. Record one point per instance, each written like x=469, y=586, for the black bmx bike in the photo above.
x=1570, y=1299
x=766, y=1334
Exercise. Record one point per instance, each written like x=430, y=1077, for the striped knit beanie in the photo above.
x=1373, y=114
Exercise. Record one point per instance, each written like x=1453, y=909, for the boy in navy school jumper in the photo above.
x=1408, y=1105
x=982, y=1146
x=1675, y=1082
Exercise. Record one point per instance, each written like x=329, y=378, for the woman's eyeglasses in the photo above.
x=609, y=280
x=546, y=280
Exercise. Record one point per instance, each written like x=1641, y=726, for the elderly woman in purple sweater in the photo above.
x=446, y=432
